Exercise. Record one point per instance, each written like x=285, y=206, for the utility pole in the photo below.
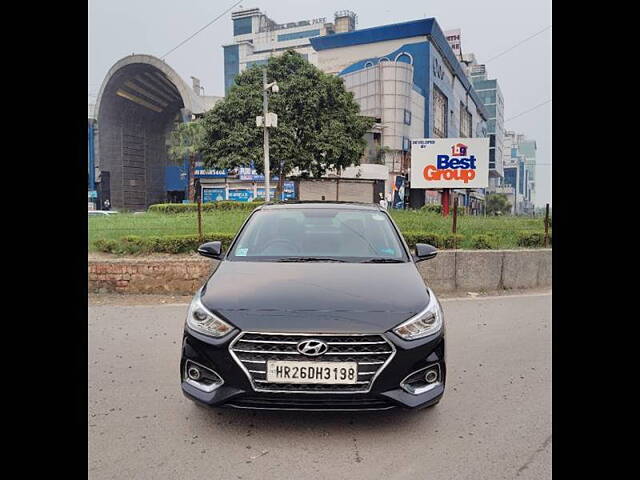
x=266, y=123
x=265, y=110
x=546, y=227
x=198, y=195
x=454, y=228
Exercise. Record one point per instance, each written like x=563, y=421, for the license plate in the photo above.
x=312, y=372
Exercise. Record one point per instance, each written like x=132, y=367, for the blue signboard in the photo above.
x=200, y=171
x=398, y=192
x=248, y=173
x=260, y=178
x=212, y=194
x=261, y=192
x=289, y=191
x=241, y=194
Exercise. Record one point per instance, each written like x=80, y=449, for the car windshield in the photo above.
x=319, y=234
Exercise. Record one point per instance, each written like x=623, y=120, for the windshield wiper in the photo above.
x=309, y=259
x=382, y=260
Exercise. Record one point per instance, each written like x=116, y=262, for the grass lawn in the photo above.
x=113, y=227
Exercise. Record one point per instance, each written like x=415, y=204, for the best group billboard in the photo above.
x=450, y=163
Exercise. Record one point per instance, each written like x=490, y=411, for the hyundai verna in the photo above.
x=315, y=306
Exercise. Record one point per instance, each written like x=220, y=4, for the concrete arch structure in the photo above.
x=140, y=100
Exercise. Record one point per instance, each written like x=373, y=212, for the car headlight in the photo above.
x=200, y=319
x=427, y=322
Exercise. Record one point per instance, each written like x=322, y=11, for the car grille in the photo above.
x=252, y=351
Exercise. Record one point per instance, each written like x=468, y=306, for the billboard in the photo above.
x=455, y=41
x=450, y=163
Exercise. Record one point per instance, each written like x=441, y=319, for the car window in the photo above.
x=348, y=235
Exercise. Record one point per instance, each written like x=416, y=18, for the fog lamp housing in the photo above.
x=422, y=380
x=201, y=377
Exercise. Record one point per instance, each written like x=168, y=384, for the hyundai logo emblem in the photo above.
x=312, y=348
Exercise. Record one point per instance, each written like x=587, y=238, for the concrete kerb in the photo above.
x=451, y=270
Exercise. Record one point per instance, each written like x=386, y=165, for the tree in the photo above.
x=319, y=126
x=381, y=153
x=185, y=140
x=497, y=204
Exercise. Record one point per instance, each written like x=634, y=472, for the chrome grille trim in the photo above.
x=275, y=352
x=259, y=384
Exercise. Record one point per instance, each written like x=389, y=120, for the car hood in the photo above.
x=315, y=297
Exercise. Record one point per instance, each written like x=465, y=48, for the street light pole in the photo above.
x=265, y=110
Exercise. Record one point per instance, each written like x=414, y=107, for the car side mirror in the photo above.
x=211, y=249
x=424, y=251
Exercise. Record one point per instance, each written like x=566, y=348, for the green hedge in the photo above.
x=532, y=239
x=483, y=242
x=437, y=208
x=206, y=207
x=134, y=245
x=436, y=239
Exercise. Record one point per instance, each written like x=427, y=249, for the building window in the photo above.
x=440, y=111
x=368, y=64
x=407, y=117
x=487, y=97
x=406, y=144
x=465, y=121
x=231, y=65
x=242, y=26
x=293, y=36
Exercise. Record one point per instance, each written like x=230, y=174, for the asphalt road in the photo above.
x=494, y=421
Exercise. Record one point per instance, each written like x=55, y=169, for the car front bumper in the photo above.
x=384, y=392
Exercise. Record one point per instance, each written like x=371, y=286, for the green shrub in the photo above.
x=436, y=208
x=134, y=245
x=432, y=207
x=171, y=208
x=451, y=240
x=422, y=237
x=435, y=239
x=483, y=242
x=532, y=239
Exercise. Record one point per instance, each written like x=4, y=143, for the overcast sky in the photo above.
x=118, y=28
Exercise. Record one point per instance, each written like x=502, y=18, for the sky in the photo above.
x=118, y=28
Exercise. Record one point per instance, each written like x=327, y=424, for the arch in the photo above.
x=383, y=59
x=368, y=64
x=404, y=57
x=191, y=101
x=140, y=100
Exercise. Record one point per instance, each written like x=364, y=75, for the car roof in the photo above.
x=320, y=204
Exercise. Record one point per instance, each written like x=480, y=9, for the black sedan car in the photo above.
x=315, y=306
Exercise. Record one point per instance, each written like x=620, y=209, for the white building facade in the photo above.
x=256, y=37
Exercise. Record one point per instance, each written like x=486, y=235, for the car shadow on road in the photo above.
x=228, y=419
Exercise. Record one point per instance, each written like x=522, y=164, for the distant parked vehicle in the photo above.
x=102, y=212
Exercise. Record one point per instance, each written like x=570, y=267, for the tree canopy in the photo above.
x=319, y=126
x=185, y=140
x=497, y=202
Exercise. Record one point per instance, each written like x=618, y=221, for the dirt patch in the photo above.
x=98, y=299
